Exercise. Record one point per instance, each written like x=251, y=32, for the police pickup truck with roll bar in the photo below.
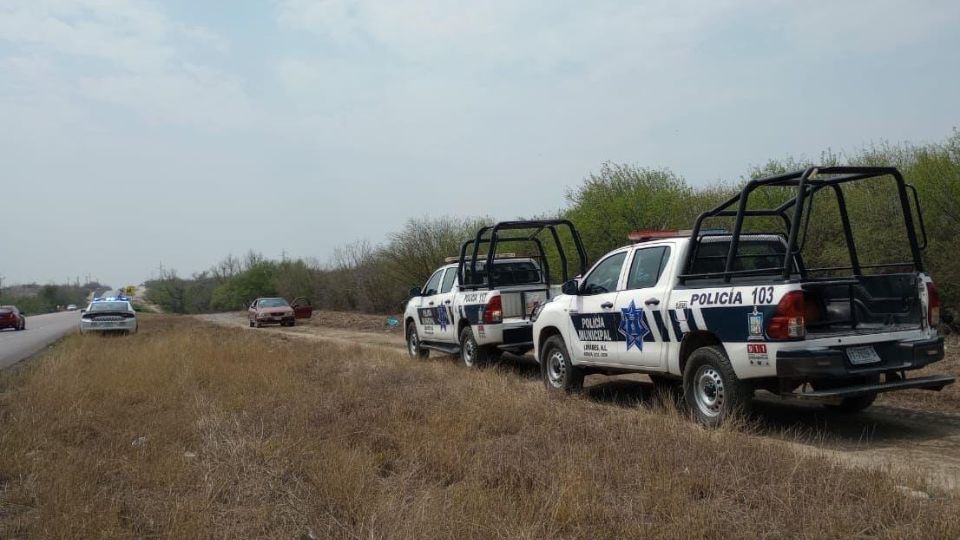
x=480, y=306
x=730, y=313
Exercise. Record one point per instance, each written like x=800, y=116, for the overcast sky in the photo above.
x=139, y=132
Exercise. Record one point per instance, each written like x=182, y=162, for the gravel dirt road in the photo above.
x=339, y=327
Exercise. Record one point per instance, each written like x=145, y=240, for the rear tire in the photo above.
x=711, y=388
x=251, y=323
x=413, y=343
x=559, y=373
x=853, y=404
x=471, y=354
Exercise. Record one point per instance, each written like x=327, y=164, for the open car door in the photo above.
x=302, y=308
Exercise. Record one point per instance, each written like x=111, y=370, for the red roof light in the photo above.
x=644, y=235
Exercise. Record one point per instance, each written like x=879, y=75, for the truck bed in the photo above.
x=864, y=305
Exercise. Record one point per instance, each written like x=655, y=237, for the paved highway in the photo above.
x=41, y=331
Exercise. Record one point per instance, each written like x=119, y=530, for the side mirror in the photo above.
x=414, y=292
x=571, y=287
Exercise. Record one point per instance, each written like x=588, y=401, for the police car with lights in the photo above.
x=480, y=305
x=728, y=313
x=110, y=314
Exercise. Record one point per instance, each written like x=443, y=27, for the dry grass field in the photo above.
x=193, y=430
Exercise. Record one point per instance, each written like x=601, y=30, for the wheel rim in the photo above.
x=412, y=342
x=709, y=391
x=469, y=353
x=556, y=369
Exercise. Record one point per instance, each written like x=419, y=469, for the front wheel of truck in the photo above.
x=711, y=389
x=558, y=370
x=413, y=343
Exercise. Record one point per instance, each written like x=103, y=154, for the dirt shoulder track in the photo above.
x=338, y=327
x=908, y=434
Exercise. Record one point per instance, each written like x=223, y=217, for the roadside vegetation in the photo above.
x=191, y=430
x=35, y=299
x=605, y=207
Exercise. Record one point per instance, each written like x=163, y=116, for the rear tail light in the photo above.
x=788, y=321
x=493, y=312
x=933, y=305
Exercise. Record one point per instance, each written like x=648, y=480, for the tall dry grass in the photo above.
x=188, y=430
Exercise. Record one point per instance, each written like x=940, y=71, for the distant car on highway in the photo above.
x=270, y=311
x=72, y=307
x=109, y=316
x=11, y=317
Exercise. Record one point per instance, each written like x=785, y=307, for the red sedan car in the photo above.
x=270, y=311
x=11, y=317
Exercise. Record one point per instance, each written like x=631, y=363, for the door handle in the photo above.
x=652, y=302
x=446, y=302
x=606, y=305
x=431, y=303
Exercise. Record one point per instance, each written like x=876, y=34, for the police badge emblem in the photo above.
x=632, y=326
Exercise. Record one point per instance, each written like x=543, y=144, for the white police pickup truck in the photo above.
x=728, y=313
x=481, y=306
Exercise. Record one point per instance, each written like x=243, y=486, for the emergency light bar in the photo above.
x=646, y=235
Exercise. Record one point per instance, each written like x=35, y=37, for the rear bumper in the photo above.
x=111, y=326
x=521, y=335
x=832, y=375
x=512, y=335
x=831, y=363
x=931, y=382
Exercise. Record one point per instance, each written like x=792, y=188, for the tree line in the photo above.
x=35, y=299
x=606, y=206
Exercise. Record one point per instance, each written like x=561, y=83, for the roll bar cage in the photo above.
x=807, y=183
x=491, y=237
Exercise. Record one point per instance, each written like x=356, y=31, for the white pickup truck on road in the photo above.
x=480, y=306
x=728, y=313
